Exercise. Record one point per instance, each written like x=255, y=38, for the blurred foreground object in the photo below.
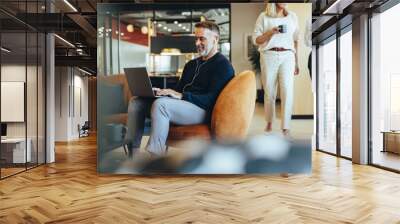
x=262, y=154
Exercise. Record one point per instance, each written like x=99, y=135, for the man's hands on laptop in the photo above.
x=167, y=92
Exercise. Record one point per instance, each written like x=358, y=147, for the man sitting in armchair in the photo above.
x=191, y=101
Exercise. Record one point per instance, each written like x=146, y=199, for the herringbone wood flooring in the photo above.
x=70, y=191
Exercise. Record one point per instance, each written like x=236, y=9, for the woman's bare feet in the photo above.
x=285, y=132
x=268, y=128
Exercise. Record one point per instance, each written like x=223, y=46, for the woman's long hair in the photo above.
x=271, y=10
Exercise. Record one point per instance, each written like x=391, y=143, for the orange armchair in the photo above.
x=231, y=115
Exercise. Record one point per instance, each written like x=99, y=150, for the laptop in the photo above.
x=139, y=82
x=3, y=131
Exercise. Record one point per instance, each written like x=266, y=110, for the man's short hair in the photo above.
x=208, y=25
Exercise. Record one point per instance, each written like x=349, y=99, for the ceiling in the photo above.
x=76, y=20
x=178, y=22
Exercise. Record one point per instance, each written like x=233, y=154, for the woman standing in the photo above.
x=276, y=34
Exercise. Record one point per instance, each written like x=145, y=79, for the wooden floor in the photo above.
x=70, y=191
x=10, y=171
x=386, y=159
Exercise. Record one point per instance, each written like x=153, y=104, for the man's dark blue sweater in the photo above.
x=202, y=81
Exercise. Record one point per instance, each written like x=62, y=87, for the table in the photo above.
x=13, y=150
x=391, y=141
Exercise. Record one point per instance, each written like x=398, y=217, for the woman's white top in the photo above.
x=281, y=40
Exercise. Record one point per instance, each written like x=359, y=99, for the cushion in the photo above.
x=120, y=118
x=189, y=131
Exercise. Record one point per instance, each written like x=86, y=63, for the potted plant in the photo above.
x=255, y=62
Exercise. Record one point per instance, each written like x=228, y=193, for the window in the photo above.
x=385, y=89
x=327, y=97
x=346, y=94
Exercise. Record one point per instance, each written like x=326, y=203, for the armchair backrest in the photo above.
x=119, y=79
x=234, y=109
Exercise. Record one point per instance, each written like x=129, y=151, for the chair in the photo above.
x=231, y=115
x=114, y=95
x=83, y=130
x=119, y=114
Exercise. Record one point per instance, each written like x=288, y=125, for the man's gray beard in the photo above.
x=205, y=52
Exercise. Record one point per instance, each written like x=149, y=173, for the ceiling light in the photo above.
x=79, y=50
x=184, y=27
x=64, y=40
x=86, y=72
x=165, y=28
x=176, y=22
x=144, y=30
x=170, y=51
x=122, y=34
x=5, y=50
x=155, y=22
x=70, y=5
x=185, y=13
x=159, y=25
x=337, y=7
x=179, y=25
x=130, y=28
x=169, y=30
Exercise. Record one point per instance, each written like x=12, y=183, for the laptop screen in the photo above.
x=3, y=129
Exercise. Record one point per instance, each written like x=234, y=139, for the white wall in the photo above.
x=243, y=19
x=70, y=83
x=13, y=73
x=303, y=96
x=33, y=126
x=80, y=83
x=61, y=103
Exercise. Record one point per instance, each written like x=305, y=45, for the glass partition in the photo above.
x=14, y=153
x=327, y=97
x=385, y=89
x=31, y=98
x=22, y=90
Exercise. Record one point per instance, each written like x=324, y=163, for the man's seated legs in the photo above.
x=138, y=109
x=165, y=110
